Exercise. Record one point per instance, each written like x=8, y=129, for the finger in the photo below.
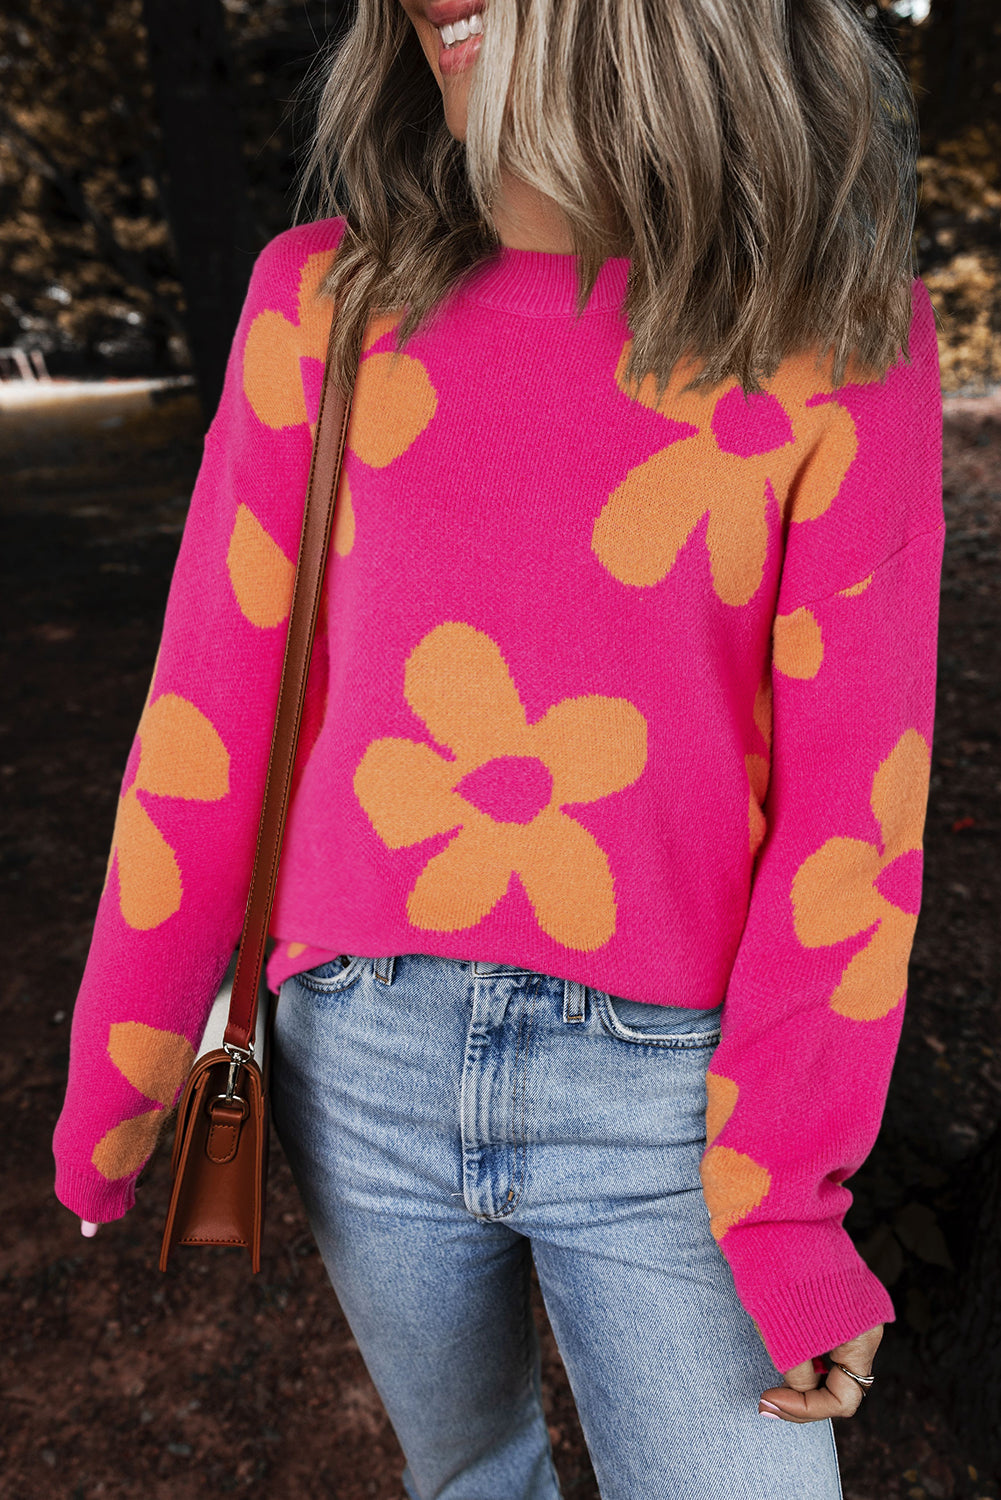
x=809, y=1395
x=858, y=1353
x=804, y=1377
x=839, y=1397
x=87, y=1229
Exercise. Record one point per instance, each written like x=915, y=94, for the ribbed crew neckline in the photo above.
x=542, y=283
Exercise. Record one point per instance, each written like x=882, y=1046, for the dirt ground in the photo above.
x=118, y=1381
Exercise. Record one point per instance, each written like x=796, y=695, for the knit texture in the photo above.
x=636, y=694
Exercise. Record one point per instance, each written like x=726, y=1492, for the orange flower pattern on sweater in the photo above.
x=181, y=755
x=152, y=1060
x=837, y=891
x=502, y=789
x=393, y=403
x=732, y=1182
x=649, y=517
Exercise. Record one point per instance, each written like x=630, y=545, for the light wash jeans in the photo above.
x=448, y=1121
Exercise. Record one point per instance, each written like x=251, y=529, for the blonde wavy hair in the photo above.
x=754, y=159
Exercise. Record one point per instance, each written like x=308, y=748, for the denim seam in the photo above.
x=464, y=1104
x=531, y=1348
x=322, y=987
x=526, y=1325
x=520, y=1142
x=506, y=973
x=837, y=1464
x=683, y=1042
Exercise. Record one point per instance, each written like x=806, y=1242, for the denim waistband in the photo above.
x=384, y=967
x=574, y=994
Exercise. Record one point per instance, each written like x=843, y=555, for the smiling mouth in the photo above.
x=454, y=34
x=458, y=46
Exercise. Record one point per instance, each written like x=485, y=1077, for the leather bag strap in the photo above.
x=321, y=491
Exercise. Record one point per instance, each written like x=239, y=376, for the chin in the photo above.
x=457, y=128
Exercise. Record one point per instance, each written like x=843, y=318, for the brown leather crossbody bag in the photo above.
x=220, y=1158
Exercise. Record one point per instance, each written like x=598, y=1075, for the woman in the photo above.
x=603, y=861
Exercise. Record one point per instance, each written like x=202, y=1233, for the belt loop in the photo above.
x=574, y=996
x=384, y=969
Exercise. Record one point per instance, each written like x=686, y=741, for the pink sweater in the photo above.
x=636, y=695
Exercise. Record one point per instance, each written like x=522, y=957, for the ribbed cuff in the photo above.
x=804, y=1316
x=810, y=1317
x=81, y=1191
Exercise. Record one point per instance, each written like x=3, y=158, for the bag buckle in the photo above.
x=237, y=1057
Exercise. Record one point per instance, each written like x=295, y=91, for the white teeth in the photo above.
x=460, y=31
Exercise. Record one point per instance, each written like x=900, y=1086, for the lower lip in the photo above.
x=454, y=59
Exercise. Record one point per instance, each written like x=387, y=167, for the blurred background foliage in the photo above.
x=95, y=268
x=89, y=264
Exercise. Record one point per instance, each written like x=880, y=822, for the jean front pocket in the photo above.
x=335, y=975
x=682, y=1027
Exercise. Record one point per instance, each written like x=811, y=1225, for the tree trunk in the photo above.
x=208, y=204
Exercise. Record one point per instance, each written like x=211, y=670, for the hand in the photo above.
x=804, y=1399
x=89, y=1230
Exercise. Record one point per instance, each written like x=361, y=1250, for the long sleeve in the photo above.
x=182, y=848
x=814, y=1006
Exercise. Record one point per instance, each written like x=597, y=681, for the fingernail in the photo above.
x=770, y=1406
x=772, y=1415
